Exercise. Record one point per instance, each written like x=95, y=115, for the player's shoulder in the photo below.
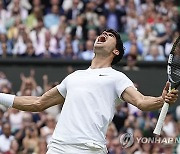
x=118, y=75
x=117, y=72
x=77, y=72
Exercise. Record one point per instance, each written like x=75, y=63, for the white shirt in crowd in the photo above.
x=16, y=120
x=5, y=143
x=89, y=105
x=38, y=41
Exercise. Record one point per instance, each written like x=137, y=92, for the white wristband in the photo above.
x=7, y=99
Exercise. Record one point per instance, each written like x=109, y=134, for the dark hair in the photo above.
x=119, y=46
x=131, y=56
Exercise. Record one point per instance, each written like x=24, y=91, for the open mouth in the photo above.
x=101, y=39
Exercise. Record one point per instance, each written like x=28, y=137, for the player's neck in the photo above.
x=100, y=62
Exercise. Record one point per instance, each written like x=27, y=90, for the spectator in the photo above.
x=90, y=15
x=26, y=123
x=53, y=45
x=48, y=129
x=115, y=146
x=6, y=138
x=13, y=31
x=133, y=40
x=30, y=52
x=4, y=81
x=38, y=3
x=131, y=18
x=113, y=15
x=52, y=3
x=72, y=9
x=110, y=136
x=169, y=44
x=141, y=28
x=102, y=23
x=4, y=50
x=69, y=53
x=31, y=140
x=99, y=7
x=32, y=19
x=154, y=54
x=47, y=53
x=159, y=26
x=5, y=45
x=3, y=16
x=52, y=19
x=14, y=147
x=22, y=7
x=67, y=39
x=134, y=51
x=81, y=49
x=42, y=146
x=120, y=116
x=136, y=147
x=15, y=119
x=22, y=4
x=46, y=85
x=61, y=29
x=148, y=5
x=6, y=89
x=92, y=35
x=79, y=30
x=169, y=127
x=131, y=63
x=88, y=54
x=147, y=148
x=38, y=38
x=15, y=13
x=20, y=45
x=29, y=85
x=149, y=38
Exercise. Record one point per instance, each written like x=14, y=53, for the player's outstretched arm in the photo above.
x=36, y=104
x=149, y=103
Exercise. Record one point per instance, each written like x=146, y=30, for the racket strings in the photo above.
x=175, y=67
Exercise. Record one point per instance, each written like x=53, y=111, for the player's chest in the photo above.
x=91, y=81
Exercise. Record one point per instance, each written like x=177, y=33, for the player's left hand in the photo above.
x=169, y=97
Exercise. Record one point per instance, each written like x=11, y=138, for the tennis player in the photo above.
x=89, y=100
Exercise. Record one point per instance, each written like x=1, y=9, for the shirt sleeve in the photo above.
x=62, y=87
x=122, y=83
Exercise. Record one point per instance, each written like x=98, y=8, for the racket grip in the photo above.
x=161, y=119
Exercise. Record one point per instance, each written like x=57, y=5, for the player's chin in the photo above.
x=98, y=44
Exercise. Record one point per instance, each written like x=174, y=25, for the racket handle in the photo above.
x=161, y=119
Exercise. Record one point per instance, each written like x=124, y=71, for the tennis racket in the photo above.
x=173, y=72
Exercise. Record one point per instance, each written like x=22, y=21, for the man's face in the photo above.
x=7, y=130
x=106, y=42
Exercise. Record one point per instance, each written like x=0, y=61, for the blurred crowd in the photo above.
x=67, y=29
x=24, y=132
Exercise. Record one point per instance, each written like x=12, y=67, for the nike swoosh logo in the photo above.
x=102, y=75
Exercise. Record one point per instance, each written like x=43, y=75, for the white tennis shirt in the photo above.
x=89, y=104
